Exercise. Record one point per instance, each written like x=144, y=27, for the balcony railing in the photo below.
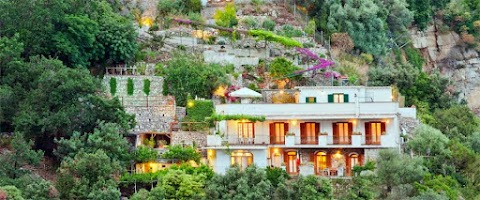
x=277, y=139
x=336, y=139
x=308, y=139
x=257, y=140
x=370, y=140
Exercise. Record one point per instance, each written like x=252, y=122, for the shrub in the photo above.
x=276, y=175
x=289, y=31
x=342, y=41
x=368, y=58
x=145, y=154
x=113, y=86
x=146, y=86
x=130, y=86
x=268, y=25
x=310, y=28
x=184, y=154
x=414, y=56
x=250, y=23
x=226, y=17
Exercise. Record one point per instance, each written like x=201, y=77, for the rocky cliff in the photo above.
x=445, y=52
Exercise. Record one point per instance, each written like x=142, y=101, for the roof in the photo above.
x=245, y=93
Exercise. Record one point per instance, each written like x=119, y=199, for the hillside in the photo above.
x=67, y=133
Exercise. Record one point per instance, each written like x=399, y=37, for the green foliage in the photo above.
x=276, y=175
x=368, y=166
x=363, y=21
x=116, y=148
x=312, y=187
x=311, y=27
x=269, y=24
x=183, y=154
x=251, y=118
x=250, y=23
x=87, y=176
x=84, y=34
x=439, y=184
x=184, y=75
x=200, y=110
x=52, y=101
x=422, y=12
x=289, y=31
x=13, y=162
x=39, y=190
x=146, y=86
x=474, y=142
x=145, y=154
x=270, y=36
x=362, y=189
x=130, y=86
x=428, y=141
x=167, y=7
x=395, y=170
x=113, y=86
x=414, y=56
x=457, y=122
x=12, y=192
x=129, y=178
x=281, y=67
x=226, y=17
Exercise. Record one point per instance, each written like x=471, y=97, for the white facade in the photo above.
x=345, y=123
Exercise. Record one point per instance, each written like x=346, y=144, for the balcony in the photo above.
x=370, y=140
x=311, y=111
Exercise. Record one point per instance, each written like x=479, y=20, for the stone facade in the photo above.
x=152, y=119
x=189, y=138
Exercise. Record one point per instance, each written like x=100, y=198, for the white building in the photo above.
x=324, y=130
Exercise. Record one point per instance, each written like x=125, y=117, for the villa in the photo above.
x=322, y=130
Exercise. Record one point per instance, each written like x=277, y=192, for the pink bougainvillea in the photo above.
x=231, y=89
x=321, y=63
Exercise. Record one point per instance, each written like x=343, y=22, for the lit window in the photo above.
x=311, y=100
x=241, y=158
x=245, y=130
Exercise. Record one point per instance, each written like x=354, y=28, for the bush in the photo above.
x=113, y=86
x=146, y=86
x=276, y=175
x=268, y=25
x=250, y=23
x=130, y=86
x=184, y=154
x=414, y=57
x=289, y=31
x=145, y=154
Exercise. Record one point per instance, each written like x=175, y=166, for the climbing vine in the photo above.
x=113, y=86
x=130, y=86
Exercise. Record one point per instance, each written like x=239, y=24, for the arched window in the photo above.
x=241, y=158
x=354, y=160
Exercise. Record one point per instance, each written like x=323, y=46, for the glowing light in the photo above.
x=146, y=21
x=387, y=121
x=275, y=150
x=190, y=103
x=281, y=91
x=210, y=153
x=337, y=155
x=354, y=122
x=220, y=91
x=294, y=122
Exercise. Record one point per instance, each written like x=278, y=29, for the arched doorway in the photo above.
x=321, y=164
x=353, y=160
x=241, y=158
x=338, y=164
x=291, y=162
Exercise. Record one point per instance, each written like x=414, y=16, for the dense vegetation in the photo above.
x=51, y=53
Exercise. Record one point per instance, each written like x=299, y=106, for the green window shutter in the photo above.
x=306, y=100
x=345, y=98
x=314, y=99
x=330, y=98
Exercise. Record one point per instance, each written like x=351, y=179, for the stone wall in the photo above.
x=156, y=85
x=189, y=137
x=152, y=119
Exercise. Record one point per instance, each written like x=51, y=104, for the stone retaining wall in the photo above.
x=189, y=137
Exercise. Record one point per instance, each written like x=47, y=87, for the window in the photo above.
x=342, y=132
x=309, y=132
x=245, y=130
x=354, y=160
x=373, y=132
x=311, y=100
x=338, y=98
x=278, y=131
x=321, y=163
x=241, y=158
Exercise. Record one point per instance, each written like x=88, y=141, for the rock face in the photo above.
x=445, y=52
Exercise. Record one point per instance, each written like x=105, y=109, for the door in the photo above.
x=291, y=158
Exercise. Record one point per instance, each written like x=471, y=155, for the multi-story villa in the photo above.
x=325, y=130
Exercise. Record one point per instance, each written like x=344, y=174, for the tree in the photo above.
x=362, y=21
x=395, y=171
x=310, y=28
x=252, y=183
x=183, y=154
x=312, y=187
x=186, y=75
x=11, y=192
x=226, y=17
x=58, y=101
x=145, y=154
x=428, y=141
x=398, y=16
x=13, y=162
x=281, y=68
x=116, y=147
x=363, y=189
x=89, y=175
x=456, y=122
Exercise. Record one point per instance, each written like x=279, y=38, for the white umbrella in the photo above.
x=245, y=93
